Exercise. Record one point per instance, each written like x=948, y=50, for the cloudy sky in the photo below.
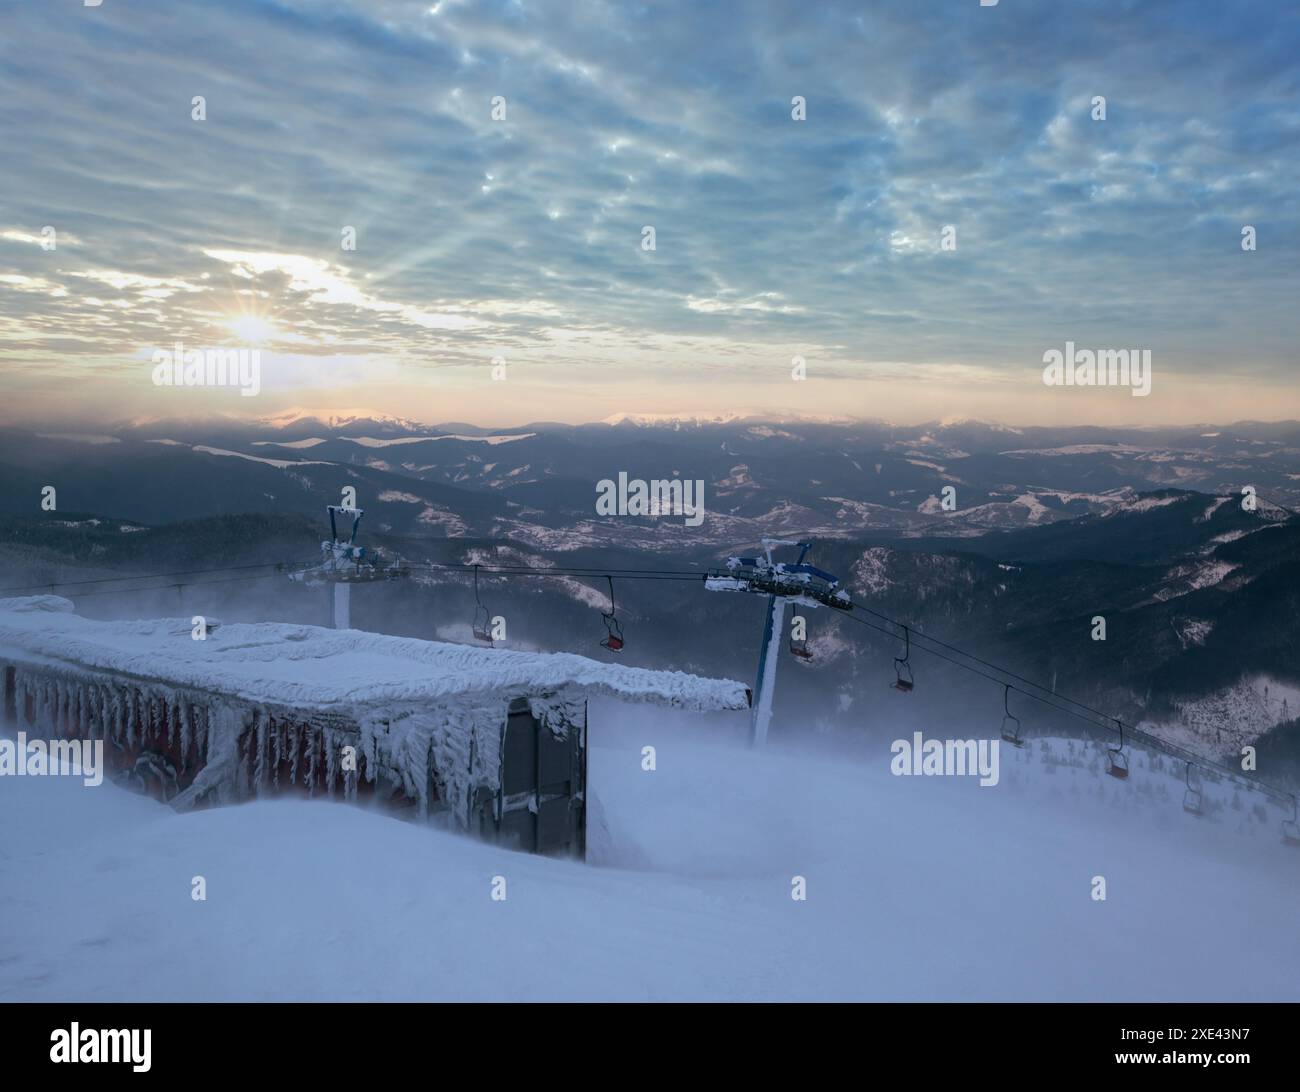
x=521, y=238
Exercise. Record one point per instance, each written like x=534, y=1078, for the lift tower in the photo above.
x=798, y=583
x=345, y=563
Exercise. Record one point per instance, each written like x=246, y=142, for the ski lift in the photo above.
x=1116, y=759
x=1290, y=830
x=902, y=668
x=1010, y=722
x=613, y=628
x=799, y=645
x=343, y=561
x=1192, y=800
x=482, y=620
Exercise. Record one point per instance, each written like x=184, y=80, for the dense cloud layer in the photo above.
x=521, y=238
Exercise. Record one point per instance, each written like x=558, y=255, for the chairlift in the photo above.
x=1010, y=722
x=482, y=620
x=799, y=645
x=613, y=628
x=1116, y=759
x=902, y=668
x=1193, y=803
x=1290, y=830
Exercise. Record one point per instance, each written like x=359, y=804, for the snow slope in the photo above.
x=918, y=888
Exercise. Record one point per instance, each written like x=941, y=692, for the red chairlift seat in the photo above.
x=613, y=628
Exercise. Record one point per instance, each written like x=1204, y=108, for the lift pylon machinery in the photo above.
x=782, y=582
x=345, y=563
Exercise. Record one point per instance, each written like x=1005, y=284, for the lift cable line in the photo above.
x=160, y=587
x=275, y=566
x=1086, y=713
x=887, y=625
x=592, y=572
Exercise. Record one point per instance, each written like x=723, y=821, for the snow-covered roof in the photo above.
x=308, y=666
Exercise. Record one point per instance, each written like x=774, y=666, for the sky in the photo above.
x=501, y=274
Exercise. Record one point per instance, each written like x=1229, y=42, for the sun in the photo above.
x=252, y=329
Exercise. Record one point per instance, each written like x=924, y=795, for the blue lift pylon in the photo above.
x=782, y=583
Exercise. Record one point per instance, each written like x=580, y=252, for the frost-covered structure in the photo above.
x=488, y=740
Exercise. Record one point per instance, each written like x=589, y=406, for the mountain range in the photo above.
x=1049, y=529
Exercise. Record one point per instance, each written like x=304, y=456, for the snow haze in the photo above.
x=917, y=888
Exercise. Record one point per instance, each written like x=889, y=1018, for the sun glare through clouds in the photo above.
x=252, y=329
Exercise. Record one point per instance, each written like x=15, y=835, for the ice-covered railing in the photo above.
x=307, y=666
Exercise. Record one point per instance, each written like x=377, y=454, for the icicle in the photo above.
x=60, y=696
x=23, y=698
x=243, y=782
x=278, y=750
x=262, y=735
x=205, y=733
x=72, y=725
x=311, y=743
x=294, y=746
x=331, y=760
x=106, y=711
x=136, y=729
x=369, y=748
x=321, y=763
x=81, y=713
x=187, y=732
